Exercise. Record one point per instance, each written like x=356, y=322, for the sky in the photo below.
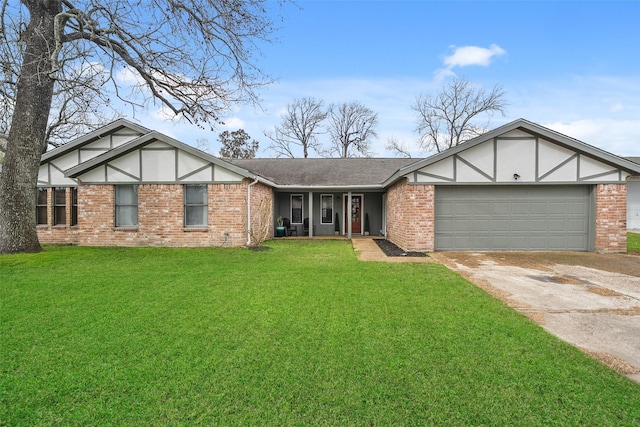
x=572, y=66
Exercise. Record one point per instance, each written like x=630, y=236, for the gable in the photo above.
x=54, y=163
x=155, y=158
x=522, y=152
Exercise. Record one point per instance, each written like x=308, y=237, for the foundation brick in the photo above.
x=611, y=218
x=411, y=215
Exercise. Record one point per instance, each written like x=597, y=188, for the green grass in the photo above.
x=633, y=242
x=302, y=334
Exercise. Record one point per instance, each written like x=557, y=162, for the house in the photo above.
x=518, y=187
x=633, y=199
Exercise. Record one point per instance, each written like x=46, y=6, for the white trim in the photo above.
x=185, y=206
x=348, y=228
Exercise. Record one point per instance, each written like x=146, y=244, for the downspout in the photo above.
x=255, y=181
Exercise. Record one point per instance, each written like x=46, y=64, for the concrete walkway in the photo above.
x=367, y=250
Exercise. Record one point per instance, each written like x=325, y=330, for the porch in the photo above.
x=326, y=213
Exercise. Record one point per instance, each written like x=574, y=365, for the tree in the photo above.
x=192, y=57
x=299, y=127
x=352, y=126
x=448, y=118
x=237, y=145
x=398, y=147
x=79, y=104
x=3, y=146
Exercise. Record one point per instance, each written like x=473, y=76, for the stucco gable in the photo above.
x=156, y=158
x=107, y=137
x=53, y=163
x=520, y=152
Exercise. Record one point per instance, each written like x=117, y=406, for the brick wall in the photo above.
x=58, y=234
x=160, y=216
x=261, y=213
x=410, y=216
x=611, y=218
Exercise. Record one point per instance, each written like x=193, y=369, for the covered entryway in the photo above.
x=356, y=213
x=514, y=217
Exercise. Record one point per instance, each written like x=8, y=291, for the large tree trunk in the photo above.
x=24, y=145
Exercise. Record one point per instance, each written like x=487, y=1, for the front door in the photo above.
x=356, y=214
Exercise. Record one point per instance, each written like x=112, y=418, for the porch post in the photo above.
x=310, y=215
x=384, y=214
x=348, y=212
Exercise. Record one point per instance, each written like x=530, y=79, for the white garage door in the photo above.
x=514, y=217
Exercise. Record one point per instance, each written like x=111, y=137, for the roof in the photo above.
x=633, y=159
x=323, y=172
x=374, y=173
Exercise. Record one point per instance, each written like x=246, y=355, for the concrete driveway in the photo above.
x=589, y=300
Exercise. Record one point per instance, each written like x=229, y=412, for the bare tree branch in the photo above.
x=193, y=57
x=398, y=147
x=448, y=118
x=299, y=127
x=352, y=126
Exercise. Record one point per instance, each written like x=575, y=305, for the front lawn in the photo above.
x=302, y=334
x=633, y=242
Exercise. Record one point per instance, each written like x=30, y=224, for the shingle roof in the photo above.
x=634, y=159
x=325, y=172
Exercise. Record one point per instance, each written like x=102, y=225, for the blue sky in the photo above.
x=573, y=66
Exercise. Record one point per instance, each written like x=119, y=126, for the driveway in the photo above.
x=589, y=300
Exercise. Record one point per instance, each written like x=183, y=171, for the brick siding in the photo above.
x=261, y=213
x=58, y=234
x=611, y=218
x=160, y=217
x=411, y=215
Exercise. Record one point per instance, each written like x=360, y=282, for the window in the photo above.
x=74, y=206
x=195, y=205
x=59, y=206
x=126, y=205
x=326, y=204
x=41, y=207
x=296, y=208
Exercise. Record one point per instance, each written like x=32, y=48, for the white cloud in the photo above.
x=473, y=55
x=602, y=111
x=165, y=113
x=234, y=123
x=127, y=77
x=605, y=133
x=616, y=107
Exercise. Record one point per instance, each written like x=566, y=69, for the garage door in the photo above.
x=512, y=218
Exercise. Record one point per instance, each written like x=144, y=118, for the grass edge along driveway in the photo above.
x=299, y=334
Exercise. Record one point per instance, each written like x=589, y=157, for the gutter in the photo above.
x=328, y=187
